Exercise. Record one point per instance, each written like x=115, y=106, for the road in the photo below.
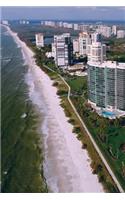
x=90, y=136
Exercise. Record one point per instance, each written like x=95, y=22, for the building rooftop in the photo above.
x=109, y=64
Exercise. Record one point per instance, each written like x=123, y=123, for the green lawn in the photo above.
x=78, y=84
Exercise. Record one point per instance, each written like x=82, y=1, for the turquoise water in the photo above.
x=21, y=162
x=108, y=114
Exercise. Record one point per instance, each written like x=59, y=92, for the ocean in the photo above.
x=20, y=139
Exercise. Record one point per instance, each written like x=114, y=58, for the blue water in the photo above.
x=108, y=114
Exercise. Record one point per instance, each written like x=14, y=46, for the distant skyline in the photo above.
x=64, y=13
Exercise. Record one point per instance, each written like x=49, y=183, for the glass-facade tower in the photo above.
x=106, y=85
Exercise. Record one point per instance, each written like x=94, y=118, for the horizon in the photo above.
x=61, y=13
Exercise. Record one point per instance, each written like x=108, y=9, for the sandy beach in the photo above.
x=67, y=165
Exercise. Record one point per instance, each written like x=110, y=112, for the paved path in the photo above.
x=90, y=136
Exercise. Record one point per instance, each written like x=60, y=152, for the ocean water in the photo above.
x=20, y=139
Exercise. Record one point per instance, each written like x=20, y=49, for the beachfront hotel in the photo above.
x=39, y=40
x=62, y=50
x=106, y=88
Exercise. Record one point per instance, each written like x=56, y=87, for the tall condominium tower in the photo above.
x=96, y=37
x=84, y=41
x=75, y=46
x=114, y=29
x=106, y=31
x=96, y=53
x=106, y=85
x=39, y=40
x=63, y=49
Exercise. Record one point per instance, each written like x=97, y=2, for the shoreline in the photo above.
x=66, y=166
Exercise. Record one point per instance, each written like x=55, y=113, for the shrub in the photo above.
x=84, y=146
x=55, y=84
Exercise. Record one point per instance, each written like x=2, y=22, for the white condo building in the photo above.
x=39, y=40
x=114, y=30
x=75, y=46
x=76, y=27
x=24, y=22
x=49, y=23
x=96, y=37
x=96, y=52
x=120, y=34
x=83, y=27
x=106, y=86
x=62, y=50
x=106, y=31
x=84, y=41
x=106, y=82
x=67, y=25
x=53, y=46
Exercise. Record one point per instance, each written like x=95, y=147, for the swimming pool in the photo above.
x=108, y=114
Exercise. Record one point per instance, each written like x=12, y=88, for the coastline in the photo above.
x=63, y=152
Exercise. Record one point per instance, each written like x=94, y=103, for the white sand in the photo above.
x=67, y=165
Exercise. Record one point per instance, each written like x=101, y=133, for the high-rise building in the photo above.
x=75, y=46
x=67, y=25
x=76, y=27
x=60, y=24
x=63, y=49
x=114, y=29
x=39, y=40
x=84, y=27
x=106, y=85
x=84, y=41
x=96, y=52
x=53, y=50
x=120, y=34
x=96, y=37
x=106, y=31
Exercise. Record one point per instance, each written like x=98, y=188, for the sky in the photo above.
x=64, y=13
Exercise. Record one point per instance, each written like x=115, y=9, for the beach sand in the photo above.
x=66, y=165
